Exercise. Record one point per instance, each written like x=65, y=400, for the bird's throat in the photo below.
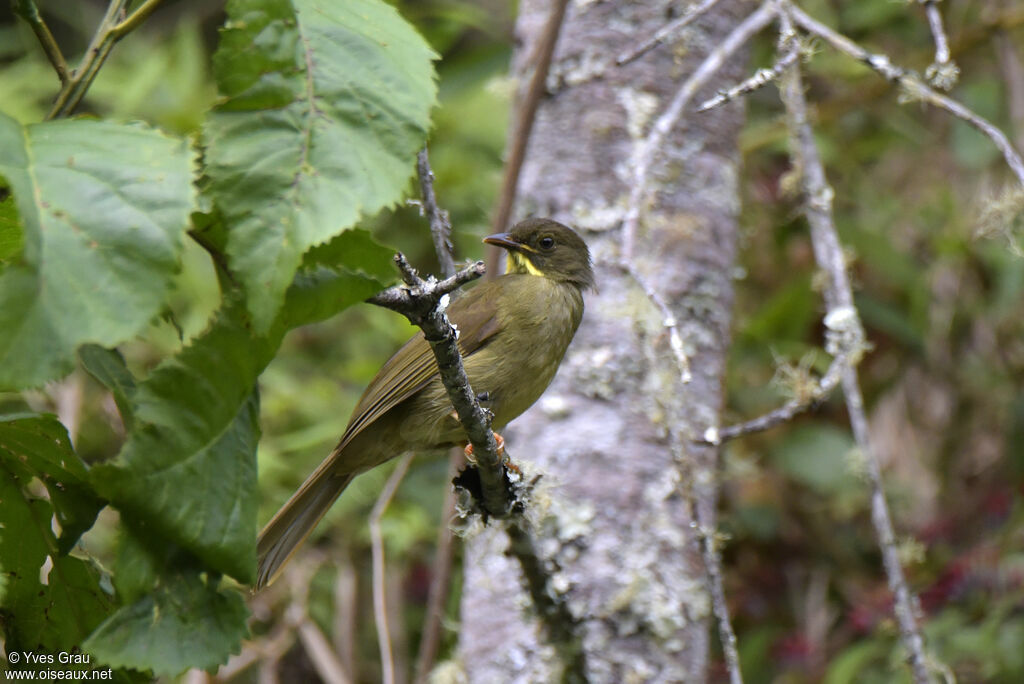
x=518, y=263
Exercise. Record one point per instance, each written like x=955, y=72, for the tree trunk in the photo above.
x=612, y=512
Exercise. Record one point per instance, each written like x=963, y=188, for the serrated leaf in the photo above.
x=103, y=208
x=39, y=447
x=326, y=104
x=187, y=622
x=49, y=601
x=188, y=468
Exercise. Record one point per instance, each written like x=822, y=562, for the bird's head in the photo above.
x=542, y=247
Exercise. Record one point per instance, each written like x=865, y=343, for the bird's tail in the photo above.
x=296, y=519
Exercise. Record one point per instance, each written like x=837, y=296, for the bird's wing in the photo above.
x=412, y=366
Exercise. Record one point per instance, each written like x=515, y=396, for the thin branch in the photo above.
x=440, y=224
x=716, y=436
x=423, y=302
x=912, y=86
x=713, y=566
x=749, y=27
x=137, y=17
x=377, y=545
x=440, y=580
x=669, y=30
x=526, y=114
x=759, y=80
x=27, y=10
x=114, y=26
x=839, y=300
x=942, y=73
x=668, y=319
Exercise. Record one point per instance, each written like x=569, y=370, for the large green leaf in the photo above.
x=40, y=447
x=103, y=210
x=49, y=601
x=325, y=104
x=188, y=468
x=187, y=622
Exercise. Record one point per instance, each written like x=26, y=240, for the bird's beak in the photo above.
x=505, y=240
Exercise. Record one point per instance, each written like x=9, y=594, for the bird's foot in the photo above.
x=505, y=460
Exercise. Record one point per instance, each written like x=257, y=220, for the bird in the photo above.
x=513, y=332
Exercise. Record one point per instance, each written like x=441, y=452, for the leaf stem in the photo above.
x=114, y=26
x=27, y=10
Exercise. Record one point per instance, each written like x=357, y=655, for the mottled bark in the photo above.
x=611, y=512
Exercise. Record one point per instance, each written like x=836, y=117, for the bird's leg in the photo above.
x=505, y=460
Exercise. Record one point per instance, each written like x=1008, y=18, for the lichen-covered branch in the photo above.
x=760, y=79
x=942, y=73
x=561, y=626
x=787, y=411
x=912, y=85
x=839, y=300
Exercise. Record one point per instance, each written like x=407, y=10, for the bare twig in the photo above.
x=423, y=303
x=440, y=580
x=440, y=225
x=668, y=319
x=839, y=301
x=114, y=26
x=343, y=627
x=526, y=113
x=27, y=10
x=713, y=566
x=749, y=27
x=942, y=73
x=760, y=79
x=796, y=406
x=912, y=86
x=669, y=30
x=377, y=545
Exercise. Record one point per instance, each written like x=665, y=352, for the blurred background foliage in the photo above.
x=943, y=307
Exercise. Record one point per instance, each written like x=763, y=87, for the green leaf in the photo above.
x=108, y=367
x=11, y=239
x=187, y=622
x=189, y=466
x=39, y=447
x=103, y=209
x=49, y=601
x=325, y=105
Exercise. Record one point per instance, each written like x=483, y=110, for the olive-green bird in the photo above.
x=513, y=333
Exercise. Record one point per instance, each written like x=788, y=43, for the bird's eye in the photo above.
x=547, y=242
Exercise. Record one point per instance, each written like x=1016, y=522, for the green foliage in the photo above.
x=78, y=231
x=49, y=600
x=324, y=104
x=322, y=109
x=185, y=622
